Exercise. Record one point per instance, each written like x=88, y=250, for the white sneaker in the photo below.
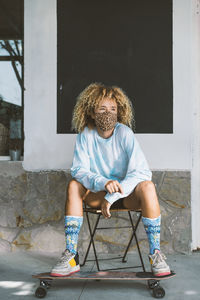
x=158, y=264
x=68, y=264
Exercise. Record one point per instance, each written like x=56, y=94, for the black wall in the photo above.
x=125, y=43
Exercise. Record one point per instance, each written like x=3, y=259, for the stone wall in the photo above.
x=32, y=210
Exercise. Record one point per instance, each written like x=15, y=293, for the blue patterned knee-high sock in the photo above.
x=72, y=229
x=152, y=228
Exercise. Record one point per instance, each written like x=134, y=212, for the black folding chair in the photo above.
x=92, y=231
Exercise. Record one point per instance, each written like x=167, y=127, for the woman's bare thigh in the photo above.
x=132, y=201
x=94, y=200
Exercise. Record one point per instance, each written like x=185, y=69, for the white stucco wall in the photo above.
x=44, y=148
x=195, y=97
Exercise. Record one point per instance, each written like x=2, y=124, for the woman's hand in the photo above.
x=105, y=209
x=113, y=186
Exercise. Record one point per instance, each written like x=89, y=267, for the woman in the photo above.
x=109, y=170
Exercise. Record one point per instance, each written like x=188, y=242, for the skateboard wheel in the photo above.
x=158, y=292
x=40, y=292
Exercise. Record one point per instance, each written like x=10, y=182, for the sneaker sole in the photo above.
x=162, y=274
x=63, y=275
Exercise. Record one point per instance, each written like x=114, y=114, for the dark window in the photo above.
x=124, y=43
x=11, y=76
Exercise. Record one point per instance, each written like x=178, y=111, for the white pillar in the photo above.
x=195, y=102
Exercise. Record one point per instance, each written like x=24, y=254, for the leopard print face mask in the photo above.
x=106, y=120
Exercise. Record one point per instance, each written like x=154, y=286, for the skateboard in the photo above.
x=153, y=282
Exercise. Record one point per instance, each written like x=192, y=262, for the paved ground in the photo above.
x=16, y=281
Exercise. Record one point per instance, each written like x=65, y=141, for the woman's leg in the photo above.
x=145, y=198
x=74, y=202
x=73, y=214
x=69, y=262
x=76, y=193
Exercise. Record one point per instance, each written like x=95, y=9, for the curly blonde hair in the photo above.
x=88, y=100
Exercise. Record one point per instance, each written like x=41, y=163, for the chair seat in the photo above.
x=98, y=210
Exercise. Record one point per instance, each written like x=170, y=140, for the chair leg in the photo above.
x=92, y=233
x=134, y=235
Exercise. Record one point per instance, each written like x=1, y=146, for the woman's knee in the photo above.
x=75, y=187
x=145, y=186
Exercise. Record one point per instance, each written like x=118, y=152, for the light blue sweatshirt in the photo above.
x=119, y=157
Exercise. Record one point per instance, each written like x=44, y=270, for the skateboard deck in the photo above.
x=106, y=275
x=153, y=281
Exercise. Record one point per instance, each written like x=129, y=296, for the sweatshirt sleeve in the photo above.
x=137, y=169
x=80, y=169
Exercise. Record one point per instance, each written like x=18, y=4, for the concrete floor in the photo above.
x=16, y=280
